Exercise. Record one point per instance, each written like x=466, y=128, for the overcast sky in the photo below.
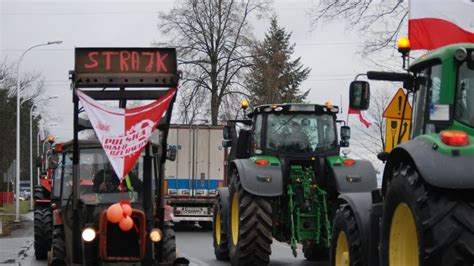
x=329, y=50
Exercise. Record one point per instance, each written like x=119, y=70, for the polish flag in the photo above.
x=364, y=121
x=124, y=133
x=436, y=23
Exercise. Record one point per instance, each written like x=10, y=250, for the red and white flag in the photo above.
x=362, y=119
x=42, y=135
x=124, y=133
x=436, y=23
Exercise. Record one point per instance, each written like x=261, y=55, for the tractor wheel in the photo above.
x=168, y=244
x=250, y=226
x=346, y=246
x=43, y=223
x=220, y=220
x=314, y=252
x=206, y=226
x=40, y=193
x=58, y=247
x=424, y=225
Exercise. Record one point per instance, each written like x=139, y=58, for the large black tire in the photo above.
x=43, y=224
x=345, y=226
x=250, y=226
x=169, y=243
x=443, y=219
x=58, y=247
x=220, y=220
x=40, y=193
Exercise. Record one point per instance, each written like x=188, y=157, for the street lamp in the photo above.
x=31, y=146
x=17, y=192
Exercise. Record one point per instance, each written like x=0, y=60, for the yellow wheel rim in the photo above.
x=342, y=250
x=217, y=227
x=403, y=243
x=235, y=219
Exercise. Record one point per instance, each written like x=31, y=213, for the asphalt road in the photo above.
x=192, y=242
x=196, y=245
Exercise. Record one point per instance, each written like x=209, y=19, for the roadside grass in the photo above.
x=10, y=208
x=7, y=215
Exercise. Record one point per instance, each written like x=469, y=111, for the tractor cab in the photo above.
x=99, y=185
x=288, y=130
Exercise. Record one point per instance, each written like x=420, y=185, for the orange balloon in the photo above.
x=126, y=223
x=127, y=210
x=115, y=213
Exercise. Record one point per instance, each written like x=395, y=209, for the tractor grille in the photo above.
x=118, y=245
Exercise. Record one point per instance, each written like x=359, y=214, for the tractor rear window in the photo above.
x=465, y=95
x=300, y=133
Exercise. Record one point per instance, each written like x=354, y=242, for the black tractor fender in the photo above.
x=259, y=180
x=359, y=177
x=223, y=198
x=360, y=204
x=437, y=169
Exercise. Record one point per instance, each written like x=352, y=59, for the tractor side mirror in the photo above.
x=359, y=95
x=226, y=143
x=226, y=133
x=345, y=136
x=171, y=153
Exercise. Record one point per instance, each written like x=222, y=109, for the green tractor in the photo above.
x=284, y=176
x=423, y=214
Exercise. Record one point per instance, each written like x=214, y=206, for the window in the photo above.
x=257, y=134
x=98, y=181
x=427, y=95
x=464, y=109
x=300, y=133
x=57, y=180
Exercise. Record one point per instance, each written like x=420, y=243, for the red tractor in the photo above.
x=43, y=220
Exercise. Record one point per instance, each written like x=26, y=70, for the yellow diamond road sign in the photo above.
x=395, y=107
x=393, y=131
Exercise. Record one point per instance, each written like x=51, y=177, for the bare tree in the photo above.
x=372, y=140
x=380, y=21
x=31, y=86
x=214, y=42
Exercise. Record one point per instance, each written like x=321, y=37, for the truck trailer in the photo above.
x=191, y=181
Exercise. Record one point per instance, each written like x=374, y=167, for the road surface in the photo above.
x=196, y=245
x=192, y=242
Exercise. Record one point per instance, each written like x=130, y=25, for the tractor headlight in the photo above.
x=88, y=234
x=156, y=235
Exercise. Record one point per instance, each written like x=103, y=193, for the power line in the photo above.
x=22, y=13
x=325, y=43
x=38, y=50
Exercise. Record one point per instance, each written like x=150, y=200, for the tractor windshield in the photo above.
x=300, y=132
x=98, y=181
x=465, y=94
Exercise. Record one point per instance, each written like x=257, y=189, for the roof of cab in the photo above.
x=441, y=54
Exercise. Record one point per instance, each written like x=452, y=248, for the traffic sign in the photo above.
x=392, y=132
x=395, y=108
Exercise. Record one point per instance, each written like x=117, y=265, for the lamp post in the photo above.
x=17, y=191
x=31, y=146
